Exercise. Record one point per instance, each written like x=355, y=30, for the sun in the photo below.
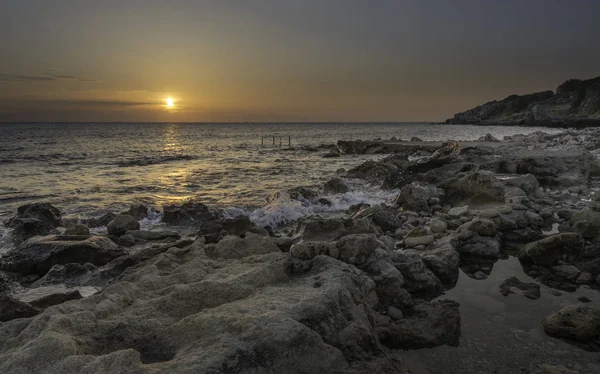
x=169, y=102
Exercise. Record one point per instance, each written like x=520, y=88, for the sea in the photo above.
x=89, y=169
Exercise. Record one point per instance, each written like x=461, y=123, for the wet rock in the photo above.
x=12, y=309
x=39, y=254
x=307, y=250
x=234, y=247
x=527, y=183
x=416, y=139
x=418, y=279
x=586, y=223
x=458, y=211
x=418, y=236
x=388, y=285
x=585, y=278
x=430, y=325
x=476, y=188
x=55, y=299
x=127, y=240
x=34, y=219
x=480, y=275
x=395, y=313
x=443, y=261
x=550, y=250
x=584, y=299
x=567, y=272
x=515, y=286
x=575, y=322
x=335, y=186
x=68, y=274
x=213, y=231
x=77, y=230
x=138, y=211
x=121, y=224
x=188, y=213
x=284, y=244
x=101, y=221
x=386, y=218
x=321, y=229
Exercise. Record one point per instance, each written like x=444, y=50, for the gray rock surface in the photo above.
x=575, y=322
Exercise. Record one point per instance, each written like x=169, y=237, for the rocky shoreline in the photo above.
x=339, y=293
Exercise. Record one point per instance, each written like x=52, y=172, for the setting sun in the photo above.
x=169, y=102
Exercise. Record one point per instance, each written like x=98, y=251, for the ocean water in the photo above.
x=87, y=169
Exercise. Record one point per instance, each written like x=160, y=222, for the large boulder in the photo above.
x=322, y=229
x=550, y=250
x=182, y=312
x=121, y=224
x=231, y=247
x=443, y=260
x=418, y=279
x=575, y=322
x=38, y=255
x=335, y=186
x=586, y=222
x=360, y=249
x=55, y=299
x=479, y=188
x=34, y=219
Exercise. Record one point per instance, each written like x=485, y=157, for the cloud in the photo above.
x=41, y=78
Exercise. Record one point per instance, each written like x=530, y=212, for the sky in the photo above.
x=278, y=60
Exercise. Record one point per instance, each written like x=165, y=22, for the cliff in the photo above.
x=576, y=103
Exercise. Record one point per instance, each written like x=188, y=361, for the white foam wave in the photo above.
x=285, y=210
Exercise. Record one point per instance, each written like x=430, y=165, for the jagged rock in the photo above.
x=126, y=240
x=548, y=251
x=188, y=213
x=476, y=188
x=487, y=138
x=528, y=183
x=575, y=322
x=232, y=247
x=567, y=272
x=201, y=315
x=34, y=219
x=121, y=224
x=138, y=211
x=388, y=285
x=55, y=299
x=586, y=223
x=358, y=249
x=68, y=274
x=515, y=286
x=12, y=309
x=307, y=250
x=103, y=220
x=39, y=254
x=430, y=325
x=418, y=279
x=321, y=229
x=213, y=231
x=335, y=186
x=77, y=230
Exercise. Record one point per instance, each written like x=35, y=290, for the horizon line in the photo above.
x=214, y=122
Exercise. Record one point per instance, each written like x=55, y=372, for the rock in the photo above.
x=307, y=250
x=418, y=279
x=575, y=322
x=479, y=226
x=552, y=369
x=477, y=246
x=415, y=139
x=153, y=235
x=395, y=313
x=321, y=229
x=585, y=278
x=430, y=325
x=12, y=309
x=101, y=221
x=55, y=299
x=77, y=230
x=584, y=299
x=68, y=274
x=188, y=213
x=415, y=241
x=34, y=219
x=232, y=247
x=437, y=225
x=213, y=231
x=138, y=211
x=127, y=240
x=478, y=188
x=335, y=186
x=359, y=249
x=38, y=255
x=458, y=211
x=121, y=224
x=479, y=275
x=248, y=315
x=385, y=218
x=515, y=286
x=548, y=251
x=586, y=223
x=567, y=272
x=528, y=183
x=487, y=138
x=443, y=261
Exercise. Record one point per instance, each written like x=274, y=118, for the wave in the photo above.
x=154, y=160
